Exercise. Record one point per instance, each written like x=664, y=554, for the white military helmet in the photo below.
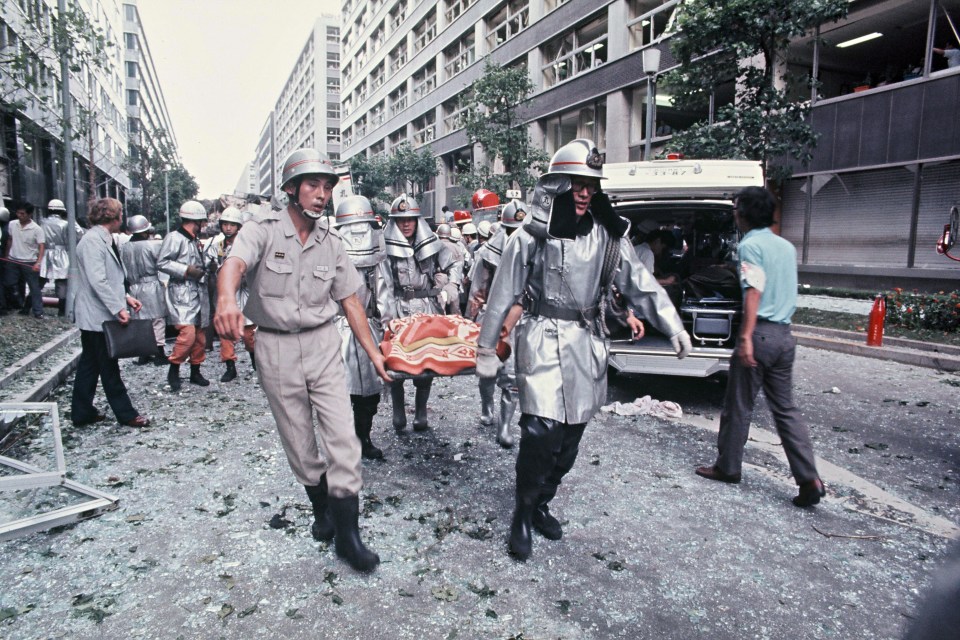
x=443, y=231
x=577, y=158
x=232, y=214
x=405, y=206
x=4, y=214
x=494, y=228
x=304, y=162
x=456, y=234
x=56, y=205
x=484, y=228
x=355, y=209
x=513, y=214
x=193, y=210
x=469, y=229
x=138, y=224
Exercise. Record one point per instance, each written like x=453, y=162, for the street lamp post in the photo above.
x=166, y=197
x=651, y=67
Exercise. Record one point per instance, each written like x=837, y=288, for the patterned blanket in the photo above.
x=443, y=345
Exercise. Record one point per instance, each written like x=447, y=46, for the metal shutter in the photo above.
x=792, y=212
x=939, y=191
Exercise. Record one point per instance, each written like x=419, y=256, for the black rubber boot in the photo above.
x=161, y=358
x=399, y=410
x=488, y=387
x=253, y=361
x=521, y=542
x=420, y=414
x=540, y=440
x=230, y=373
x=508, y=405
x=543, y=521
x=173, y=377
x=322, y=529
x=364, y=409
x=569, y=446
x=196, y=377
x=345, y=513
x=61, y=307
x=144, y=359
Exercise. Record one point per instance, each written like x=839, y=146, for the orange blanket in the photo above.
x=443, y=345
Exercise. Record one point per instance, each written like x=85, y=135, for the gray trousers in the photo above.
x=774, y=349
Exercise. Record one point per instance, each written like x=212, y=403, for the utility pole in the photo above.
x=74, y=272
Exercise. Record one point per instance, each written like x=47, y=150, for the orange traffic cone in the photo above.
x=877, y=315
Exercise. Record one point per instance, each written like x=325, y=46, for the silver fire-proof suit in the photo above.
x=216, y=252
x=187, y=299
x=365, y=247
x=139, y=258
x=56, y=256
x=560, y=277
x=410, y=280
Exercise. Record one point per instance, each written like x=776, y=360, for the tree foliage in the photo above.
x=742, y=41
x=147, y=165
x=405, y=169
x=494, y=120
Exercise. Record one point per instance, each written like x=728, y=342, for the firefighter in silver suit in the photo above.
x=231, y=220
x=363, y=240
x=139, y=258
x=486, y=261
x=418, y=276
x=459, y=253
x=188, y=302
x=555, y=263
x=56, y=256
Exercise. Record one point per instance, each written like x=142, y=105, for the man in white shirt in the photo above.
x=25, y=256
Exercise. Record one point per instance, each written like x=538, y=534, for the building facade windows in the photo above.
x=376, y=77
x=424, y=129
x=333, y=60
x=460, y=55
x=398, y=14
x=509, y=20
x=398, y=57
x=456, y=7
x=575, y=52
x=456, y=111
x=398, y=100
x=425, y=31
x=333, y=85
x=650, y=21
x=425, y=80
x=584, y=122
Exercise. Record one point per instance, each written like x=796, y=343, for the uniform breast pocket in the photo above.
x=320, y=284
x=275, y=278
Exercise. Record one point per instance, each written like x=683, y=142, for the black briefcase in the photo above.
x=132, y=340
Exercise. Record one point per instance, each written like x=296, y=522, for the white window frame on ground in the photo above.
x=456, y=8
x=509, y=20
x=32, y=477
x=461, y=55
x=425, y=32
x=573, y=51
x=643, y=28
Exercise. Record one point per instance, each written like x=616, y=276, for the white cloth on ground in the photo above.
x=646, y=406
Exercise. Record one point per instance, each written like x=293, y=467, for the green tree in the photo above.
x=743, y=41
x=495, y=120
x=147, y=165
x=407, y=165
x=371, y=177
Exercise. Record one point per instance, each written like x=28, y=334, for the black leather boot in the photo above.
x=420, y=414
x=345, y=513
x=322, y=529
x=399, y=410
x=364, y=408
x=161, y=358
x=488, y=387
x=230, y=373
x=196, y=377
x=173, y=377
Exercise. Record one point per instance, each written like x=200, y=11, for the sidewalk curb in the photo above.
x=861, y=337
x=38, y=356
x=930, y=359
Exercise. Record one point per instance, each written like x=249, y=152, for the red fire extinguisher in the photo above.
x=877, y=315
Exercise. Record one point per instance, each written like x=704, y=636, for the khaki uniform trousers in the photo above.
x=302, y=374
x=190, y=345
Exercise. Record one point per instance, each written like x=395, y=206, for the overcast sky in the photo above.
x=221, y=65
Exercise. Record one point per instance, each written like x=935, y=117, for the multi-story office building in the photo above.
x=248, y=183
x=31, y=126
x=408, y=67
x=148, y=121
x=307, y=113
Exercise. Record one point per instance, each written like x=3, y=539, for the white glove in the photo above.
x=444, y=298
x=681, y=344
x=487, y=363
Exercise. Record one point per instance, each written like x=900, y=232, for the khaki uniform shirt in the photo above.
x=293, y=286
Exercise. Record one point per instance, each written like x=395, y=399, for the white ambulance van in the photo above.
x=693, y=199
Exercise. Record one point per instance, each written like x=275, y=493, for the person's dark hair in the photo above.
x=24, y=205
x=665, y=236
x=755, y=206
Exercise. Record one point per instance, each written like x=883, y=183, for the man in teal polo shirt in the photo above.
x=765, y=351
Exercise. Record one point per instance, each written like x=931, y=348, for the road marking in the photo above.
x=872, y=500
